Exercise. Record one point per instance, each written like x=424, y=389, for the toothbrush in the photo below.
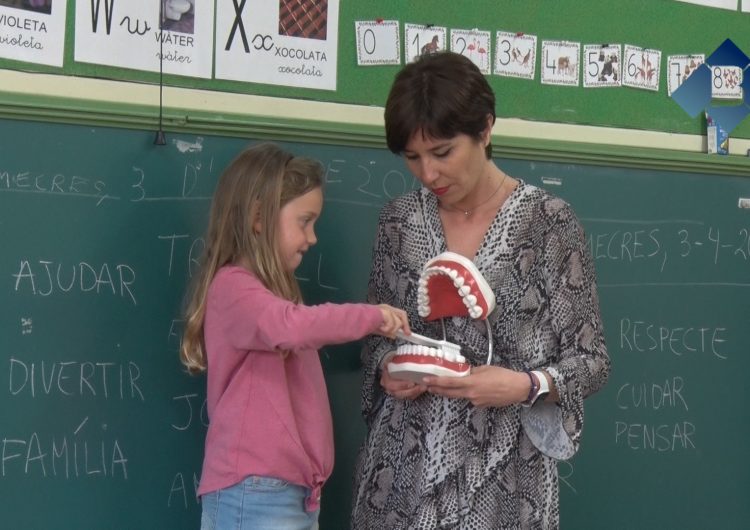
x=443, y=359
x=421, y=340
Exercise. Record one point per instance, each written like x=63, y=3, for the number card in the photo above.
x=421, y=40
x=679, y=68
x=515, y=55
x=641, y=68
x=473, y=44
x=560, y=62
x=726, y=81
x=603, y=65
x=378, y=42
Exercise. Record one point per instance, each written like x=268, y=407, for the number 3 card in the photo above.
x=515, y=55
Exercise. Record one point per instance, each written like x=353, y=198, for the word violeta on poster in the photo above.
x=33, y=31
x=279, y=42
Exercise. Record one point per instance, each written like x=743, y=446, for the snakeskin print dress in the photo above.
x=441, y=463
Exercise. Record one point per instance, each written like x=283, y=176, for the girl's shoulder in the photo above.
x=231, y=276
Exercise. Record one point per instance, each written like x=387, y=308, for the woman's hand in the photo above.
x=393, y=320
x=486, y=386
x=398, y=388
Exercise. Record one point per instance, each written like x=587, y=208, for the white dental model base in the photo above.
x=426, y=356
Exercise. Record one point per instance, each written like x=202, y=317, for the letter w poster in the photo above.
x=175, y=35
x=278, y=42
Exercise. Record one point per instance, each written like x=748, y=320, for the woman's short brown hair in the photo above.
x=441, y=95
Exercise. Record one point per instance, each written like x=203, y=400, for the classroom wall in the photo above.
x=630, y=184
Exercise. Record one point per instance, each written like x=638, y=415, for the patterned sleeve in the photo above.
x=381, y=290
x=581, y=365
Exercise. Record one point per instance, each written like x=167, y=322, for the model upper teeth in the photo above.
x=423, y=300
x=413, y=349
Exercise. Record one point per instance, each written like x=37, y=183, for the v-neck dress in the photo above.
x=437, y=462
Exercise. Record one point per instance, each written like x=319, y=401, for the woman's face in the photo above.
x=450, y=168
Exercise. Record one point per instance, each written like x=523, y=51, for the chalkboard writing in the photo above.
x=102, y=231
x=671, y=252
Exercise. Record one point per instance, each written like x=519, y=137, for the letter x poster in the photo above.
x=278, y=42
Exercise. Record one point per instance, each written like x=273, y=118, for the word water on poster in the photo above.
x=141, y=35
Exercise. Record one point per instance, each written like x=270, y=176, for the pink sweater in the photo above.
x=270, y=416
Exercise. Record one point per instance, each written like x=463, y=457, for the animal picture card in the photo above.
x=33, y=31
x=473, y=44
x=421, y=40
x=139, y=34
x=641, y=68
x=515, y=55
x=679, y=68
x=602, y=65
x=726, y=82
x=559, y=63
x=378, y=42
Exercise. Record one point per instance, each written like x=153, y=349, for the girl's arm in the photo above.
x=253, y=318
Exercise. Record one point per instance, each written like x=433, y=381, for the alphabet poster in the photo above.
x=33, y=31
x=176, y=35
x=278, y=42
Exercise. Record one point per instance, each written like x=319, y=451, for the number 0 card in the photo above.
x=378, y=42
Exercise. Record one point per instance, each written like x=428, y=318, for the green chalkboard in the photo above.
x=673, y=27
x=100, y=427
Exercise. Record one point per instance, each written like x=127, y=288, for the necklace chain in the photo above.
x=468, y=212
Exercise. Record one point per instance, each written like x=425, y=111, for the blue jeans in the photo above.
x=258, y=503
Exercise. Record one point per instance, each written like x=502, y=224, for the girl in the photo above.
x=269, y=446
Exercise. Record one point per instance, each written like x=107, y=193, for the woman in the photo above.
x=465, y=453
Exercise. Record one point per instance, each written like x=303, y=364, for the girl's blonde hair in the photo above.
x=253, y=188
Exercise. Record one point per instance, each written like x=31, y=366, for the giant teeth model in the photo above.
x=450, y=285
x=426, y=356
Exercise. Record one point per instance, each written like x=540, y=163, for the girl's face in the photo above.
x=450, y=168
x=296, y=231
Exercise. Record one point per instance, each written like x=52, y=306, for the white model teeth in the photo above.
x=413, y=349
x=423, y=300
